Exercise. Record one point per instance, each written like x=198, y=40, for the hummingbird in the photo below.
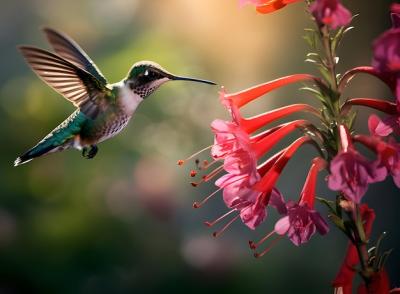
x=103, y=109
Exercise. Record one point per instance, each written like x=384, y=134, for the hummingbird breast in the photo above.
x=112, y=127
x=104, y=127
x=114, y=119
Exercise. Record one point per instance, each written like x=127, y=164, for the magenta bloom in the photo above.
x=237, y=190
x=229, y=137
x=385, y=127
x=350, y=172
x=331, y=13
x=255, y=213
x=300, y=223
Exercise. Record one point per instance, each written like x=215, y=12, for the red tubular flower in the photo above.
x=268, y=6
x=265, y=144
x=331, y=13
x=347, y=272
x=381, y=105
x=350, y=74
x=241, y=98
x=239, y=152
x=268, y=181
x=254, y=123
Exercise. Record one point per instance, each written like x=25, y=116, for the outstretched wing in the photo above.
x=74, y=83
x=68, y=49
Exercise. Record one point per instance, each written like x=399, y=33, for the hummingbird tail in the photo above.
x=48, y=145
x=60, y=138
x=36, y=151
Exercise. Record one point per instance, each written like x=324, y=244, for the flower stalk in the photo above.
x=248, y=186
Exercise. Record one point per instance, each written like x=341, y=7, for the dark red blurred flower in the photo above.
x=379, y=284
x=347, y=271
x=386, y=59
x=395, y=14
x=330, y=13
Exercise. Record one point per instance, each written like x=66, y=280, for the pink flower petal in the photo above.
x=282, y=225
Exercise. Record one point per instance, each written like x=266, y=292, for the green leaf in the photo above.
x=383, y=259
x=377, y=247
x=330, y=204
x=351, y=119
x=338, y=222
x=360, y=226
x=337, y=39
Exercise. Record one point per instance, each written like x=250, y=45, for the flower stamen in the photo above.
x=201, y=203
x=183, y=161
x=272, y=245
x=253, y=245
x=223, y=229
x=210, y=224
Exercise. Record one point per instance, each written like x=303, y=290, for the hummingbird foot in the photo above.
x=90, y=152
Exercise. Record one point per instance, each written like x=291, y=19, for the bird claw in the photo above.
x=89, y=152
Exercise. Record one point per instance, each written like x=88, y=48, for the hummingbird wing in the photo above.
x=74, y=83
x=67, y=48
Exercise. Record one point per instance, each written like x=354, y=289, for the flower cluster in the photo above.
x=248, y=187
x=247, y=181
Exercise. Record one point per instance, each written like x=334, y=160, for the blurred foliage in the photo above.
x=123, y=222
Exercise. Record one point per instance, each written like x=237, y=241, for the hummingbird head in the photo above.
x=145, y=77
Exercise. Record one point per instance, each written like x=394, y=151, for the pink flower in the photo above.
x=255, y=213
x=238, y=193
x=350, y=172
x=237, y=189
x=301, y=221
x=239, y=152
x=331, y=13
x=229, y=137
x=385, y=127
x=376, y=126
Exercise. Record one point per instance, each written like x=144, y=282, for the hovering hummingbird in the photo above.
x=103, y=109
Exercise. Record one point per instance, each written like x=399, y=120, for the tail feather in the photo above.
x=59, y=139
x=51, y=143
x=40, y=149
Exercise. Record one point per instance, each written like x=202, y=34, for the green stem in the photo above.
x=330, y=56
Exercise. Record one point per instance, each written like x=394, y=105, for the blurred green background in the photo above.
x=123, y=222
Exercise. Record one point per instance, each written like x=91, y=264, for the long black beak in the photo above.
x=178, y=78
